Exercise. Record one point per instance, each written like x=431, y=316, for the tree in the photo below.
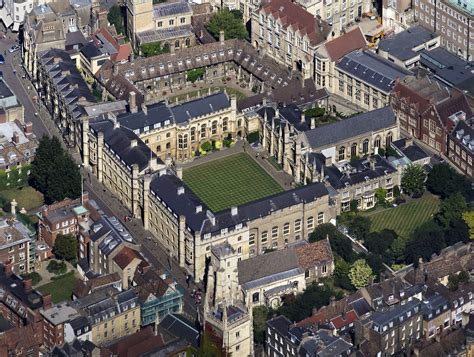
x=230, y=23
x=463, y=277
x=341, y=274
x=375, y=262
x=206, y=146
x=193, y=75
x=413, y=180
x=458, y=231
x=396, y=191
x=54, y=173
x=380, y=242
x=451, y=208
x=359, y=227
x=453, y=282
x=444, y=181
x=380, y=195
x=469, y=219
x=65, y=247
x=426, y=240
x=153, y=49
x=115, y=17
x=340, y=244
x=360, y=274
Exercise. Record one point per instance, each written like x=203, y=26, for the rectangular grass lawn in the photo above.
x=61, y=288
x=405, y=218
x=230, y=181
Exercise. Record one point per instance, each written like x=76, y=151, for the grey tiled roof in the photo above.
x=171, y=9
x=357, y=125
x=199, y=107
x=383, y=318
x=401, y=45
x=372, y=69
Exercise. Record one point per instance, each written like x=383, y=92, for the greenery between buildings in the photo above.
x=116, y=18
x=211, y=181
x=56, y=267
x=253, y=137
x=154, y=48
x=192, y=75
x=455, y=280
x=230, y=22
x=65, y=247
x=60, y=288
x=34, y=276
x=360, y=274
x=26, y=197
x=315, y=112
x=413, y=180
x=54, y=173
x=16, y=177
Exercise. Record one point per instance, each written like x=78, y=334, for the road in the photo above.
x=43, y=125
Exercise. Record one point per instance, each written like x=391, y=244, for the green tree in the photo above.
x=359, y=227
x=229, y=22
x=413, y=180
x=65, y=247
x=260, y=316
x=396, y=191
x=463, y=277
x=193, y=75
x=444, y=181
x=206, y=146
x=360, y=274
x=340, y=244
x=468, y=217
x=426, y=240
x=115, y=17
x=380, y=242
x=375, y=262
x=451, y=208
x=153, y=49
x=458, y=231
x=341, y=274
x=54, y=173
x=380, y=195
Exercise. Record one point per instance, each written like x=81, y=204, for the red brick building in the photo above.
x=428, y=111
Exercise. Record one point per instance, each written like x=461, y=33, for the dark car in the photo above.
x=2, y=59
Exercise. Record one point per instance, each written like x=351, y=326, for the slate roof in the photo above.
x=383, y=318
x=90, y=51
x=83, y=288
x=295, y=17
x=268, y=265
x=331, y=134
x=401, y=45
x=412, y=151
x=178, y=326
x=343, y=45
x=171, y=9
x=371, y=69
x=200, y=107
x=119, y=139
x=111, y=233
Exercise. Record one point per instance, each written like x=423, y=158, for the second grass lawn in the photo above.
x=60, y=288
x=230, y=181
x=405, y=218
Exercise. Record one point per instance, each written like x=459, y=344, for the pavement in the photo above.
x=43, y=125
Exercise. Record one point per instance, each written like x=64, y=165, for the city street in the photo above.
x=43, y=125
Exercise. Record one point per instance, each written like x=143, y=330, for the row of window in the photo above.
x=182, y=20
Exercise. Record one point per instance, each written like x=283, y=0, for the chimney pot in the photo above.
x=133, y=143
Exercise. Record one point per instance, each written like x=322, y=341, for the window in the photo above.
x=225, y=124
x=310, y=223
x=377, y=142
x=182, y=20
x=251, y=238
x=325, y=269
x=256, y=297
x=320, y=217
x=214, y=127
x=193, y=134
x=365, y=146
x=160, y=23
x=274, y=232
x=203, y=131
x=342, y=153
x=388, y=139
x=286, y=229
x=171, y=22
x=264, y=237
x=297, y=225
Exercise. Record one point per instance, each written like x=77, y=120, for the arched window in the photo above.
x=214, y=127
x=176, y=44
x=180, y=141
x=354, y=150
x=377, y=142
x=193, y=134
x=203, y=131
x=158, y=148
x=239, y=123
x=342, y=153
x=188, y=42
x=388, y=139
x=365, y=146
x=185, y=141
x=225, y=123
x=255, y=297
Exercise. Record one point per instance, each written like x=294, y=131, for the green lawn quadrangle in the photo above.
x=405, y=218
x=230, y=181
x=61, y=288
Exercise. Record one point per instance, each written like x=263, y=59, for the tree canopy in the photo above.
x=230, y=22
x=115, y=17
x=452, y=208
x=413, y=180
x=65, y=247
x=426, y=240
x=54, y=173
x=359, y=227
x=380, y=242
x=360, y=274
x=153, y=49
x=444, y=181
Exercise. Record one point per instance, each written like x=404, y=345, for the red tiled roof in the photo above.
x=342, y=45
x=312, y=320
x=126, y=256
x=313, y=254
x=339, y=321
x=294, y=16
x=137, y=344
x=123, y=50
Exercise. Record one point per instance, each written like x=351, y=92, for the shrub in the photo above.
x=206, y=146
x=253, y=137
x=56, y=267
x=34, y=276
x=315, y=112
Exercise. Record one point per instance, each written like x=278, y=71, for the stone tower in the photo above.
x=224, y=312
x=139, y=18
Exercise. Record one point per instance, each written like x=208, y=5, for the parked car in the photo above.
x=14, y=48
x=2, y=59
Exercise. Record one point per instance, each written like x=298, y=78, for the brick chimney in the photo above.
x=7, y=267
x=28, y=128
x=16, y=138
x=27, y=285
x=47, y=302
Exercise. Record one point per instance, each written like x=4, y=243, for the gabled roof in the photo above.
x=313, y=254
x=344, y=320
x=137, y=344
x=342, y=45
x=126, y=256
x=294, y=16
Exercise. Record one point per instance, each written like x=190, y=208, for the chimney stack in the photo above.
x=8, y=268
x=133, y=143
x=28, y=128
x=221, y=36
x=179, y=172
x=313, y=123
x=303, y=118
x=333, y=301
x=27, y=285
x=132, y=101
x=16, y=138
x=47, y=302
x=144, y=109
x=116, y=69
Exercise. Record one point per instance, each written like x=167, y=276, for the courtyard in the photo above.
x=230, y=181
